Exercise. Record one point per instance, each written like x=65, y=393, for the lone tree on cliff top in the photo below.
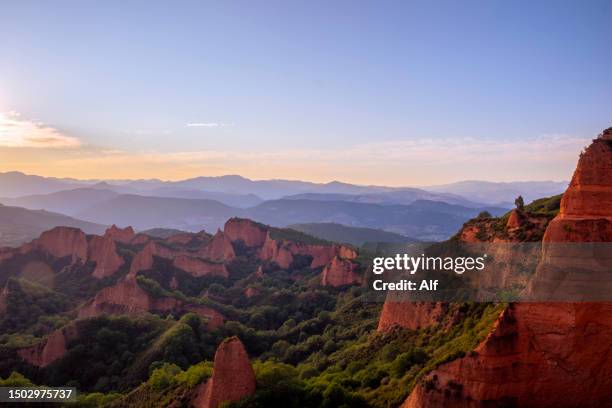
x=520, y=203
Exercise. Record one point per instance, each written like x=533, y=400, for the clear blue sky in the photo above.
x=276, y=76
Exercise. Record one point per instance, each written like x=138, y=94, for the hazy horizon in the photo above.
x=165, y=180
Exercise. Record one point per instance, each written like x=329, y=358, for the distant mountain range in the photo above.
x=242, y=192
x=19, y=225
x=501, y=193
x=350, y=235
x=433, y=213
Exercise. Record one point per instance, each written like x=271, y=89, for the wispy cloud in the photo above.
x=208, y=124
x=16, y=131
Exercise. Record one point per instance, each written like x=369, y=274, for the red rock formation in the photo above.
x=251, y=292
x=585, y=216
x=123, y=235
x=538, y=355
x=103, y=251
x=199, y=267
x=61, y=242
x=128, y=298
x=140, y=239
x=590, y=192
x=514, y=220
x=250, y=232
x=340, y=272
x=233, y=378
x=410, y=315
x=219, y=248
x=282, y=252
x=144, y=259
x=214, y=318
x=544, y=354
x=50, y=349
x=277, y=252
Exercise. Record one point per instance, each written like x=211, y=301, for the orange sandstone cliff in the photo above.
x=103, y=251
x=232, y=379
x=543, y=354
x=128, y=298
x=340, y=272
x=62, y=242
x=52, y=348
x=123, y=235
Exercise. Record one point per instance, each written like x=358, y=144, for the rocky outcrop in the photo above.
x=232, y=380
x=249, y=292
x=283, y=252
x=144, y=259
x=545, y=354
x=569, y=271
x=247, y=231
x=61, y=242
x=340, y=272
x=199, y=267
x=410, y=315
x=535, y=356
x=50, y=349
x=218, y=249
x=123, y=235
x=277, y=252
x=140, y=239
x=103, y=251
x=128, y=298
x=515, y=219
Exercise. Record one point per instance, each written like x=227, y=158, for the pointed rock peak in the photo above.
x=590, y=192
x=123, y=235
x=340, y=272
x=515, y=219
x=233, y=378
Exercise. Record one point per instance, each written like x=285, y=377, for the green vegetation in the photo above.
x=546, y=206
x=289, y=234
x=351, y=235
x=31, y=309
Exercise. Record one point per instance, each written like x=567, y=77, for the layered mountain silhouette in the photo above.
x=419, y=219
x=19, y=225
x=228, y=189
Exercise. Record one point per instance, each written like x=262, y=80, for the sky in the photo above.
x=388, y=93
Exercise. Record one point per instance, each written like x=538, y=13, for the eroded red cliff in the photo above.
x=123, y=235
x=410, y=315
x=103, y=251
x=52, y=348
x=62, y=242
x=247, y=231
x=544, y=354
x=340, y=272
x=128, y=298
x=233, y=378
